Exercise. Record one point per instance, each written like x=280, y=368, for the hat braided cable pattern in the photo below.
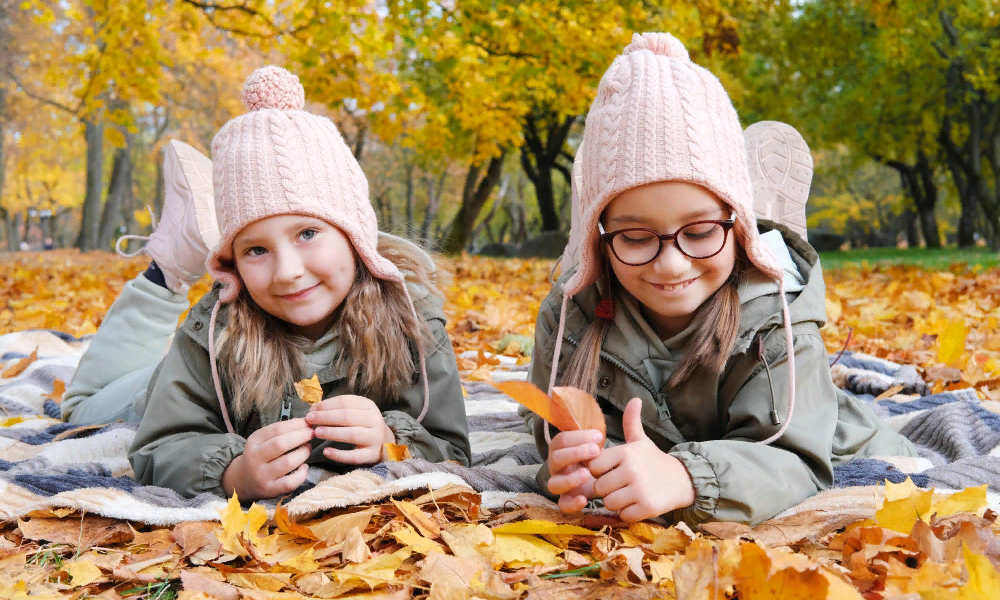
x=693, y=125
x=287, y=166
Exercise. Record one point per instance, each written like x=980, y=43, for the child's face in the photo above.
x=672, y=286
x=297, y=268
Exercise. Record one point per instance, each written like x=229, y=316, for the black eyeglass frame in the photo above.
x=608, y=238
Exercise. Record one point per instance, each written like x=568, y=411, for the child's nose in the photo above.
x=671, y=262
x=289, y=266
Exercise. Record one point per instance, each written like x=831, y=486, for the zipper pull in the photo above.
x=286, y=410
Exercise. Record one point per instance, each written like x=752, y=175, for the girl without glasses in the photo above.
x=695, y=326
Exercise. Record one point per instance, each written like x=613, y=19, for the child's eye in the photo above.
x=256, y=251
x=309, y=234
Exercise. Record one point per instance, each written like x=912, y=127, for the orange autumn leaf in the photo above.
x=19, y=367
x=58, y=389
x=309, y=390
x=396, y=452
x=286, y=525
x=569, y=408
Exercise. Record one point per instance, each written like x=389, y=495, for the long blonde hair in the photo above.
x=260, y=357
x=710, y=344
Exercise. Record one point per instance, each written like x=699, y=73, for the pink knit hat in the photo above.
x=278, y=160
x=660, y=117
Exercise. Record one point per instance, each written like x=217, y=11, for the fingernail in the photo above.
x=319, y=431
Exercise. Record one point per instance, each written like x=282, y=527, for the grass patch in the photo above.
x=935, y=259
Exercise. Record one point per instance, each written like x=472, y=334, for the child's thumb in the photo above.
x=632, y=421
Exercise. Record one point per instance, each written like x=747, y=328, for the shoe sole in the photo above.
x=781, y=170
x=197, y=171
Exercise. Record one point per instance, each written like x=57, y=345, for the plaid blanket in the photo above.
x=47, y=464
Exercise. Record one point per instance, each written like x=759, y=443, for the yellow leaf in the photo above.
x=970, y=500
x=377, y=571
x=309, y=390
x=898, y=491
x=237, y=524
x=662, y=569
x=82, y=572
x=535, y=527
x=335, y=529
x=900, y=515
x=409, y=537
x=516, y=551
x=423, y=523
x=468, y=540
x=303, y=563
x=983, y=582
x=951, y=343
x=11, y=421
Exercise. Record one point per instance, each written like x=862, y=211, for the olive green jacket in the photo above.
x=712, y=421
x=182, y=442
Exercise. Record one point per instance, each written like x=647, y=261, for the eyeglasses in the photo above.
x=639, y=246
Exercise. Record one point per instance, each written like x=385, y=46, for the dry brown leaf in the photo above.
x=309, y=390
x=355, y=549
x=17, y=368
x=197, y=582
x=334, y=530
x=424, y=524
x=86, y=532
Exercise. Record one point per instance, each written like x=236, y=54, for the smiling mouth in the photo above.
x=673, y=287
x=298, y=295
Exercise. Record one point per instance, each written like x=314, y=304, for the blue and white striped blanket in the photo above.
x=46, y=464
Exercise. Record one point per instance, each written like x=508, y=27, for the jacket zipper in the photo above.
x=617, y=362
x=286, y=410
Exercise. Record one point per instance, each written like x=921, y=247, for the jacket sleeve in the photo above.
x=182, y=443
x=737, y=479
x=444, y=433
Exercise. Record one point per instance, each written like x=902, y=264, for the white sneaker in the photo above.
x=188, y=227
x=781, y=170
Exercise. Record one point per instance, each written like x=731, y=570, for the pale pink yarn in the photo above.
x=659, y=117
x=278, y=159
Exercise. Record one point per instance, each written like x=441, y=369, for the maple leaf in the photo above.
x=17, y=368
x=309, y=390
x=568, y=409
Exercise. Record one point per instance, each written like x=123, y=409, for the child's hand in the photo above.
x=569, y=453
x=272, y=463
x=353, y=420
x=637, y=479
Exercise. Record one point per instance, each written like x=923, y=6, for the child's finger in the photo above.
x=345, y=401
x=607, y=460
x=609, y=482
x=564, y=439
x=619, y=498
x=340, y=417
x=290, y=461
x=568, y=480
x=563, y=457
x=358, y=456
x=291, y=481
x=571, y=503
x=285, y=442
x=359, y=436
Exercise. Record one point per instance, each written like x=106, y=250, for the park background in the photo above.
x=465, y=116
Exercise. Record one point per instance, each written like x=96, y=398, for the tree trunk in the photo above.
x=90, y=222
x=544, y=153
x=433, y=198
x=161, y=190
x=910, y=225
x=410, y=199
x=474, y=195
x=14, y=232
x=119, y=190
x=918, y=182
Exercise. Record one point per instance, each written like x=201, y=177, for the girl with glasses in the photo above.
x=695, y=326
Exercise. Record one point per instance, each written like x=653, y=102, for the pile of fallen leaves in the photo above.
x=443, y=545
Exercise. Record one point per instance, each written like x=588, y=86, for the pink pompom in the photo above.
x=273, y=87
x=662, y=44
